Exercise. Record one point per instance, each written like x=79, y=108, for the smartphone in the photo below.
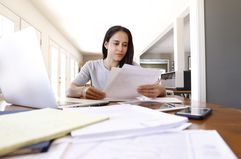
x=195, y=113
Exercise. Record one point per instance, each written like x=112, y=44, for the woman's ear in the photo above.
x=106, y=45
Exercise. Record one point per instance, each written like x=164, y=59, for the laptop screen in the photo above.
x=23, y=76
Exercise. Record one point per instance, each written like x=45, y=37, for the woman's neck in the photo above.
x=110, y=63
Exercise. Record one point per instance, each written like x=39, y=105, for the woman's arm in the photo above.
x=81, y=91
x=75, y=91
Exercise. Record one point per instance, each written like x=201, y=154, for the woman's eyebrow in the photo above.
x=119, y=41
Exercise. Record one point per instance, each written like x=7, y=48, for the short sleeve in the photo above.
x=84, y=75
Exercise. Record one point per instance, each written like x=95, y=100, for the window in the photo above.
x=76, y=68
x=54, y=69
x=63, y=69
x=9, y=22
x=6, y=25
x=72, y=69
x=62, y=76
x=25, y=24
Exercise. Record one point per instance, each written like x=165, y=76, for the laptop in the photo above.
x=23, y=77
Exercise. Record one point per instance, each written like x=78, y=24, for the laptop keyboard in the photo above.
x=64, y=103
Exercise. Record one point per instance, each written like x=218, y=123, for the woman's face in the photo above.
x=117, y=46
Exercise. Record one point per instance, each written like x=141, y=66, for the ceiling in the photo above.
x=84, y=22
x=166, y=43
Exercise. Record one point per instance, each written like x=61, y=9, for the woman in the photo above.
x=117, y=49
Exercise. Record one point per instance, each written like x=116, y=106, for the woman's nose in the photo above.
x=120, y=47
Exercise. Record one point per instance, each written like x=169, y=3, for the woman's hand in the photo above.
x=76, y=91
x=93, y=93
x=152, y=90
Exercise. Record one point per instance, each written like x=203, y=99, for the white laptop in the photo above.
x=23, y=77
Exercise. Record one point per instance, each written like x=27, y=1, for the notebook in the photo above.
x=23, y=77
x=45, y=125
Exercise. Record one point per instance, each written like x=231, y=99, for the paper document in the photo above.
x=161, y=99
x=121, y=134
x=191, y=144
x=123, y=82
x=127, y=120
x=26, y=128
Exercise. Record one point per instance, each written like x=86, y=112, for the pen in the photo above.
x=170, y=104
x=158, y=80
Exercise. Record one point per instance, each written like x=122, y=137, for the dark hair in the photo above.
x=128, y=58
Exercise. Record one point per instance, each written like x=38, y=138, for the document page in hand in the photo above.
x=123, y=82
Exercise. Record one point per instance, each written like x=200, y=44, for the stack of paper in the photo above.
x=192, y=144
x=26, y=128
x=128, y=138
x=128, y=120
x=123, y=82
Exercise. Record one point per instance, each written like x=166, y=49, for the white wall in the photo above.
x=223, y=52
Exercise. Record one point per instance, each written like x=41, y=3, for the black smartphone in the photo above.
x=195, y=113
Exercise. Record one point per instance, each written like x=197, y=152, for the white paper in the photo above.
x=192, y=144
x=123, y=82
x=161, y=99
x=127, y=120
x=122, y=135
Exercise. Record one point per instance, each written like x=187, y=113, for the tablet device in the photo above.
x=160, y=106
